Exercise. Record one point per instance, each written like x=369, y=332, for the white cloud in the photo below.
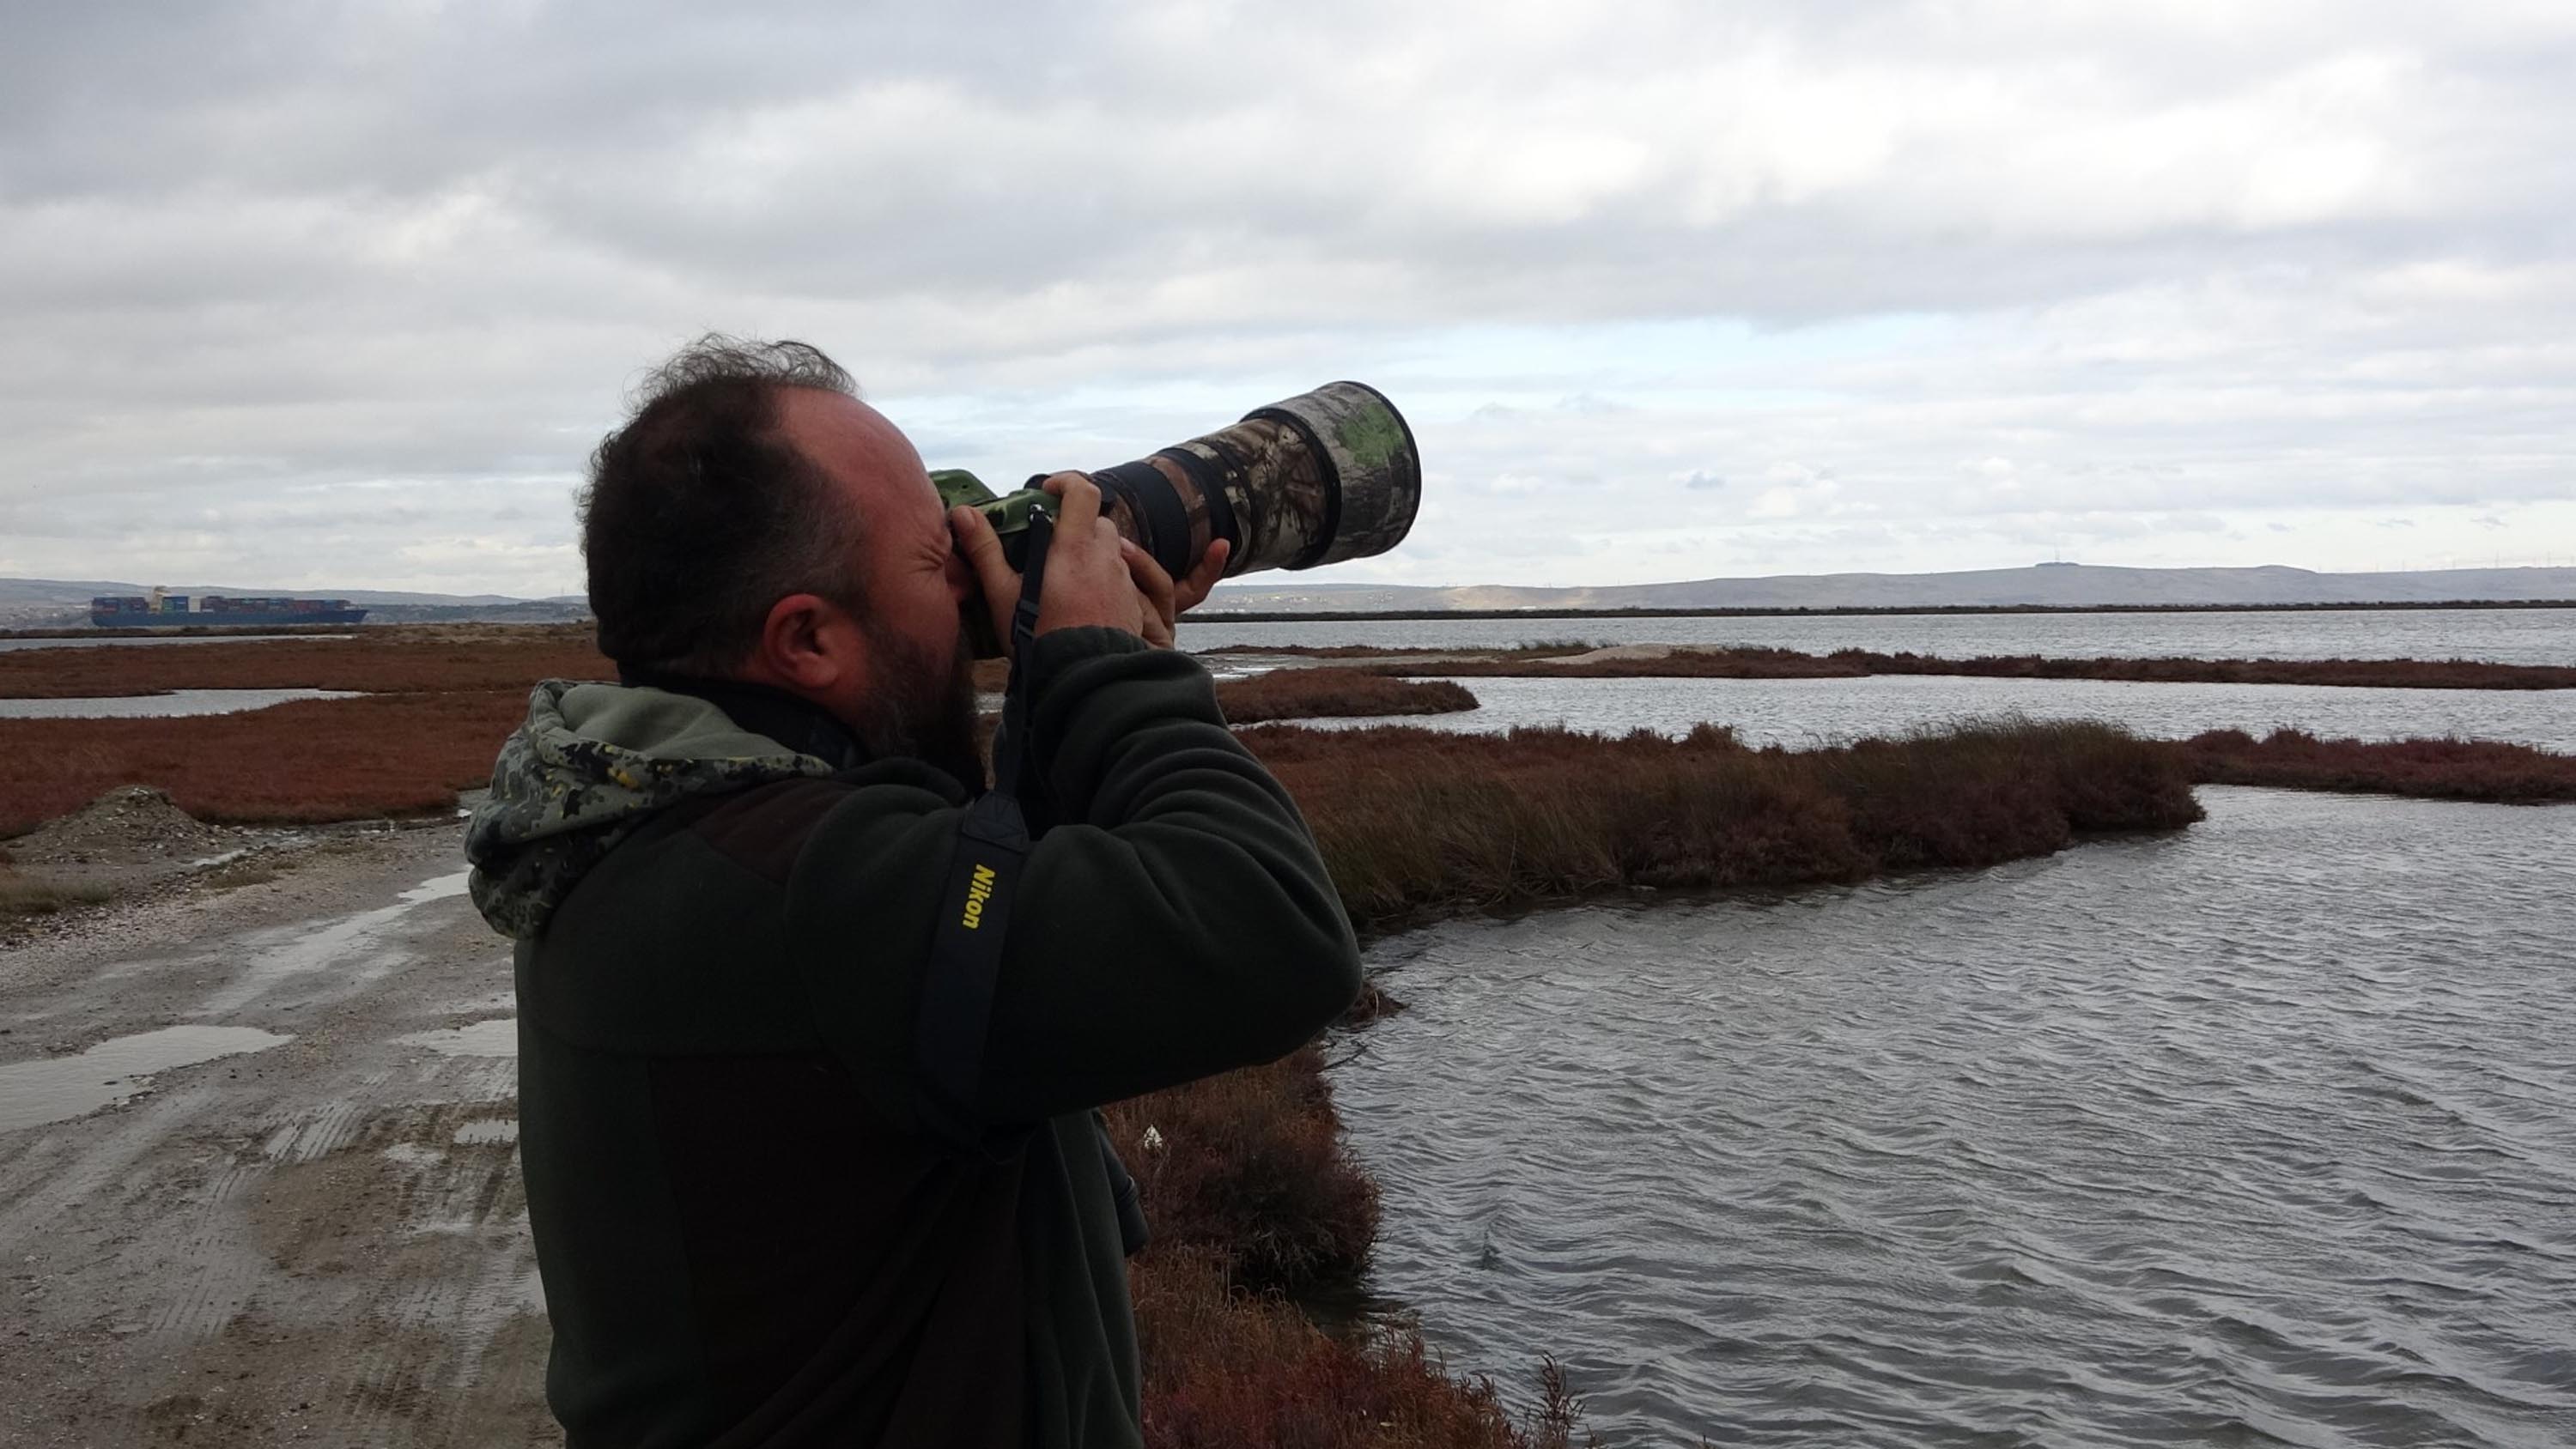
x=320, y=292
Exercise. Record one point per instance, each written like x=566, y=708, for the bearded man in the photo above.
x=782, y=1191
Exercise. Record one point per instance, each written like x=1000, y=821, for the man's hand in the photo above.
x=1193, y=591
x=1164, y=600
x=1093, y=576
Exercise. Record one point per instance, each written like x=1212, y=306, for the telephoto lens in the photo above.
x=1324, y=476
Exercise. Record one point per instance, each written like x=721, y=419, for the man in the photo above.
x=772, y=1205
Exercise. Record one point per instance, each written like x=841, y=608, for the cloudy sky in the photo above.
x=311, y=295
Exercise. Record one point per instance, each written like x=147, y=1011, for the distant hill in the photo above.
x=61, y=603
x=50, y=603
x=2064, y=586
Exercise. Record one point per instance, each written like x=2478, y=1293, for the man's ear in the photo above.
x=809, y=643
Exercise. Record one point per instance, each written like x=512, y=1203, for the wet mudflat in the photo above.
x=2262, y=1133
x=245, y=1196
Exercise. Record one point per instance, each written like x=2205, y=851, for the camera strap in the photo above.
x=983, y=881
x=984, y=874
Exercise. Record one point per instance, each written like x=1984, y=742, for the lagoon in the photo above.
x=1799, y=713
x=2264, y=1131
x=2510, y=636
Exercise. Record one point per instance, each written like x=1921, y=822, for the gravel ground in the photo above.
x=307, y=1224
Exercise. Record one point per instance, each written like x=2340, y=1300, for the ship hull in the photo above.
x=226, y=618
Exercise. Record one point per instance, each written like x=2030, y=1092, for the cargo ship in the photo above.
x=163, y=609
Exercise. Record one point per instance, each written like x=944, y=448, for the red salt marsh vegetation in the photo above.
x=1226, y=1370
x=395, y=660
x=1320, y=693
x=1253, y=1195
x=309, y=760
x=461, y=659
x=2430, y=769
x=1251, y=1165
x=1417, y=824
x=432, y=731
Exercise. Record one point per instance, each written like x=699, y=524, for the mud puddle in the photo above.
x=300, y=950
x=58, y=1089
x=498, y=1037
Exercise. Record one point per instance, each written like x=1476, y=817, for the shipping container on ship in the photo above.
x=163, y=608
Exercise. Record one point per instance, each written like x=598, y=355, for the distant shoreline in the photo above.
x=1325, y=616
x=181, y=631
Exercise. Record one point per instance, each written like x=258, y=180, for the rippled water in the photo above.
x=1811, y=711
x=2513, y=636
x=2262, y=1133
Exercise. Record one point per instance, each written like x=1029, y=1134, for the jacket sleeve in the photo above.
x=1176, y=921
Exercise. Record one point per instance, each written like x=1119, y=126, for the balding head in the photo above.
x=700, y=512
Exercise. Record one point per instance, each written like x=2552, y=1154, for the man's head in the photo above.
x=753, y=520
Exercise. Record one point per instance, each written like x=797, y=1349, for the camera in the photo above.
x=1324, y=476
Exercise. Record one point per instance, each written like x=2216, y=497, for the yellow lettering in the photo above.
x=978, y=890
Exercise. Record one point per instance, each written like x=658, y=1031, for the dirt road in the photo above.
x=258, y=1174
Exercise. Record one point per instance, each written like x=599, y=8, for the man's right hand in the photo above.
x=1089, y=579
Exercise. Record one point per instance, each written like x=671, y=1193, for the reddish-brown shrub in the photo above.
x=1319, y=693
x=1251, y=1166
x=1227, y=1370
x=2431, y=768
x=311, y=760
x=1416, y=823
x=394, y=660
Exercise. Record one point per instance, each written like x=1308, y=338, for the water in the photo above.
x=498, y=1037
x=57, y=1089
x=2512, y=636
x=1800, y=712
x=2260, y=1133
x=154, y=706
x=81, y=642
x=365, y=942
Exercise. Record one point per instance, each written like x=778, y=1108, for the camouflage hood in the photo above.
x=593, y=763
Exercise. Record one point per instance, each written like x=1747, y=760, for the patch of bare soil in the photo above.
x=134, y=841
x=134, y=826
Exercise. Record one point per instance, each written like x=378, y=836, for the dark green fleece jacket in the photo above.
x=748, y=1231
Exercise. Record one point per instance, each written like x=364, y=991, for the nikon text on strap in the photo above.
x=975, y=904
x=984, y=876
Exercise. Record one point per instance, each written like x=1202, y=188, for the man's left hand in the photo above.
x=1165, y=601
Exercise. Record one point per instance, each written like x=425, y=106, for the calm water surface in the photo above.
x=78, y=642
x=174, y=702
x=2513, y=636
x=1812, y=711
x=2260, y=1133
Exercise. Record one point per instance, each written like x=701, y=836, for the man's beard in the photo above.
x=922, y=707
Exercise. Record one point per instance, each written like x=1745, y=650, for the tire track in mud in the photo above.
x=325, y=1242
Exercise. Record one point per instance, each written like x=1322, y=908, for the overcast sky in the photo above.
x=312, y=296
